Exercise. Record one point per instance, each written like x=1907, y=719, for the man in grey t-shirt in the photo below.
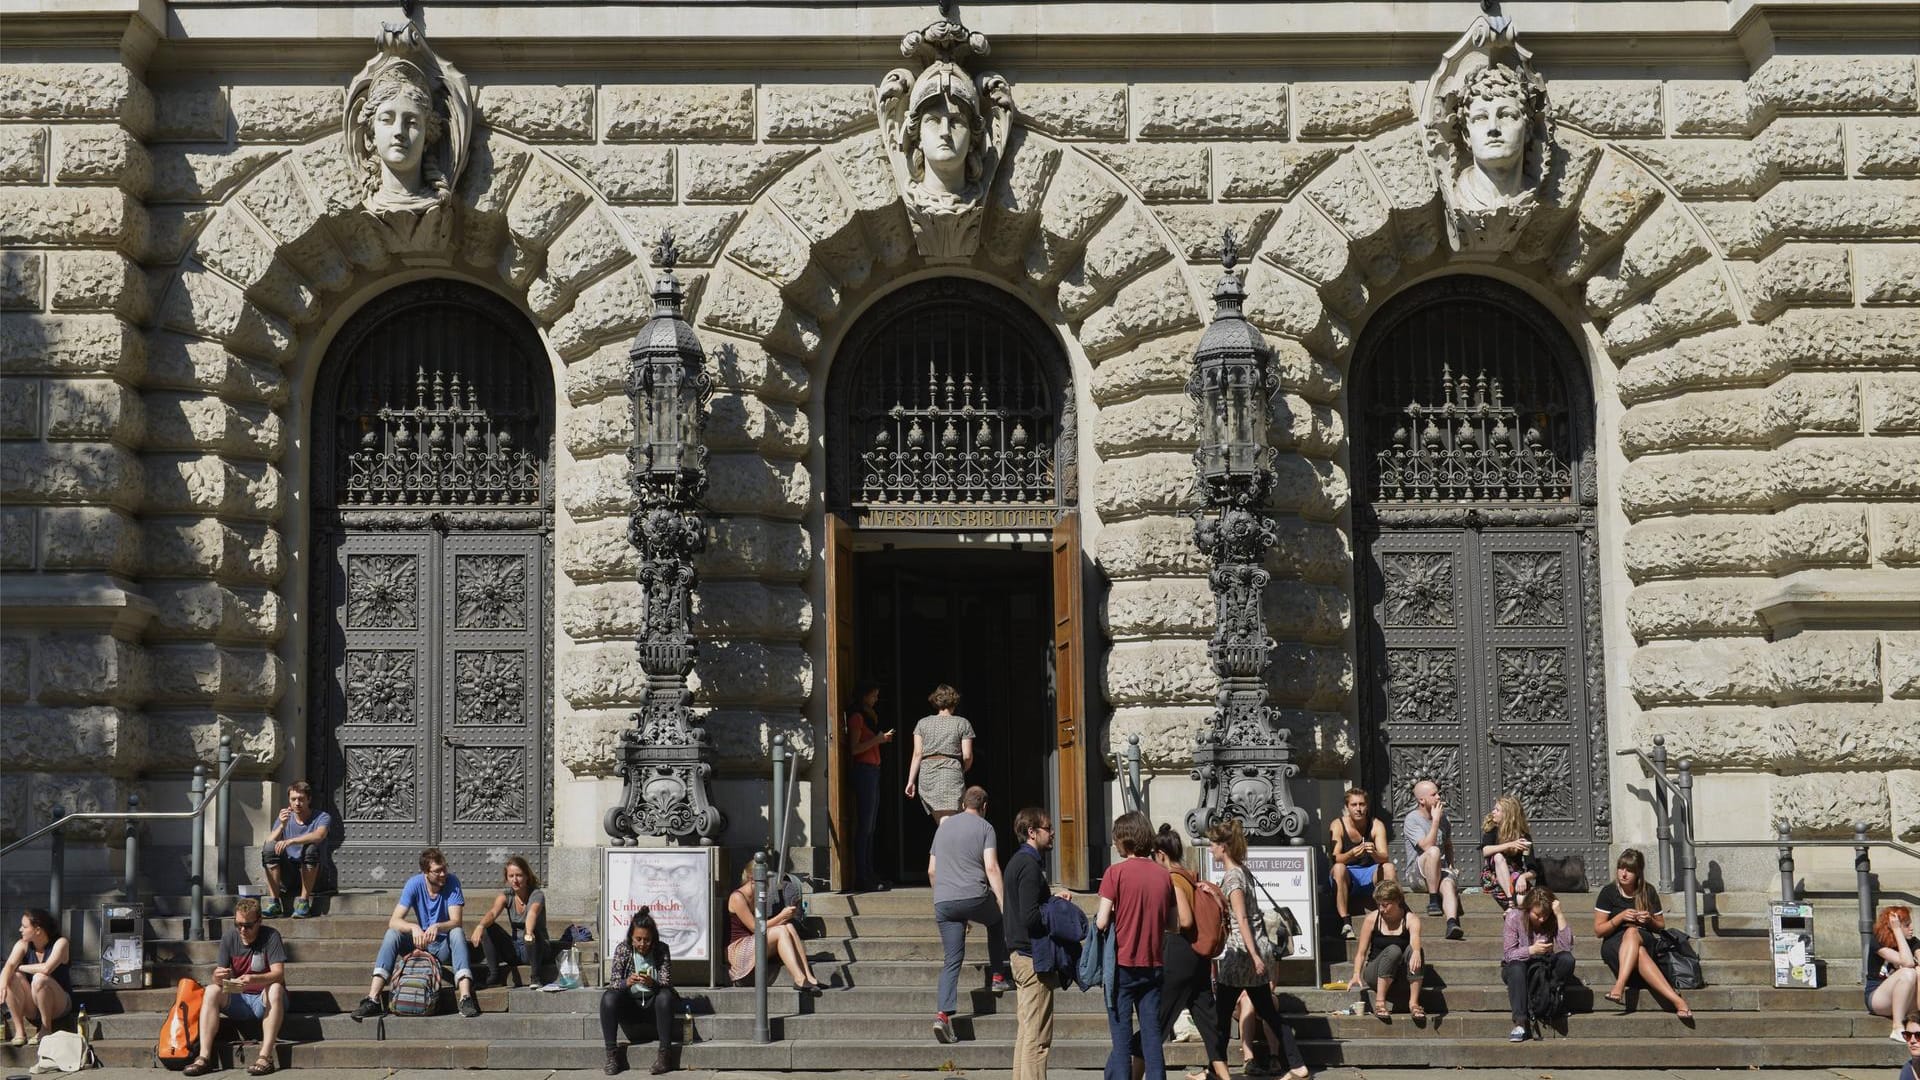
x=1429, y=838
x=964, y=867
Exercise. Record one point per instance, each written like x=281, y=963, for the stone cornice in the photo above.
x=733, y=34
x=75, y=602
x=50, y=30
x=1833, y=599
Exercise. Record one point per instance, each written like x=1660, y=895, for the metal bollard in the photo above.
x=57, y=868
x=197, y=857
x=1683, y=842
x=223, y=822
x=1663, y=813
x=1135, y=793
x=133, y=848
x=777, y=800
x=1863, y=881
x=762, y=1030
x=1786, y=861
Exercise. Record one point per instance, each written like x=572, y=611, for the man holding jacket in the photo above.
x=1026, y=920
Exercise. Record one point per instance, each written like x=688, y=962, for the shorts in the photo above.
x=1359, y=877
x=298, y=854
x=245, y=1006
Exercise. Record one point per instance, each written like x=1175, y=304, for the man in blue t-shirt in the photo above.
x=297, y=838
x=434, y=900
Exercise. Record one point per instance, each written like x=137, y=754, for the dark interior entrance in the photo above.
x=981, y=621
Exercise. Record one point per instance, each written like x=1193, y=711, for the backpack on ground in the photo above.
x=1546, y=998
x=179, y=1037
x=1209, y=919
x=416, y=985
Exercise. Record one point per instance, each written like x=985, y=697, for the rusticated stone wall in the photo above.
x=1739, y=255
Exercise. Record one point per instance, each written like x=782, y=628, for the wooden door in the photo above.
x=842, y=670
x=1071, y=725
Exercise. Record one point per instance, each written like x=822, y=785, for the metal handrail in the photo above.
x=201, y=792
x=1679, y=842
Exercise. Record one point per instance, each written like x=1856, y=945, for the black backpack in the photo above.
x=1679, y=962
x=1546, y=998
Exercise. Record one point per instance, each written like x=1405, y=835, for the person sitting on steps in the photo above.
x=639, y=983
x=434, y=900
x=524, y=939
x=1359, y=857
x=299, y=836
x=1390, y=948
x=783, y=939
x=1535, y=931
x=1894, y=979
x=1506, y=848
x=1429, y=839
x=249, y=983
x=1626, y=915
x=1910, y=1034
x=38, y=985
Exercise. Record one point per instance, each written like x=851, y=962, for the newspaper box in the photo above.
x=123, y=959
x=1792, y=937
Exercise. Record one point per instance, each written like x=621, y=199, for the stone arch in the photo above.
x=1612, y=251
x=271, y=269
x=1063, y=232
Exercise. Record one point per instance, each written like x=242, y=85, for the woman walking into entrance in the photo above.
x=864, y=740
x=942, y=754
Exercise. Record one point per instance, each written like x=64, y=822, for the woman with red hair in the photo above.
x=1894, y=976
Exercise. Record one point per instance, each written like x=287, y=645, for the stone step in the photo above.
x=834, y=1054
x=308, y=951
x=369, y=927
x=1462, y=973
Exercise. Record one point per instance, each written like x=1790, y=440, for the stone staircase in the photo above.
x=881, y=954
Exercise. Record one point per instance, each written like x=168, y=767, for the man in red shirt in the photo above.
x=1137, y=907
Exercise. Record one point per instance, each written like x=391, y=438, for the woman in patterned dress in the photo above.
x=942, y=754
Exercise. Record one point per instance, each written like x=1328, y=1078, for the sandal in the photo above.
x=261, y=1066
x=21, y=1040
x=1382, y=1010
x=1617, y=999
x=198, y=1067
x=1414, y=1010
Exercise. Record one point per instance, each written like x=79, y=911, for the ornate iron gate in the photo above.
x=1480, y=662
x=431, y=712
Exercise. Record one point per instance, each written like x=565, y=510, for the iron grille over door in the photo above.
x=431, y=705
x=956, y=397
x=1481, y=658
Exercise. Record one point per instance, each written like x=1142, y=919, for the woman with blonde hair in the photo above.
x=1507, y=847
x=1626, y=915
x=783, y=938
x=1244, y=967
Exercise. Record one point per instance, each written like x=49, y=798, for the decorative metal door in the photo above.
x=1481, y=661
x=432, y=720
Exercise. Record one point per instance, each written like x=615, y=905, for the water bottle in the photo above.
x=686, y=1020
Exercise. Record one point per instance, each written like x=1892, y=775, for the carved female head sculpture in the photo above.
x=944, y=130
x=407, y=119
x=1489, y=135
x=399, y=129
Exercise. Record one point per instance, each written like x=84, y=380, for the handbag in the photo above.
x=1280, y=926
x=1679, y=962
x=61, y=1051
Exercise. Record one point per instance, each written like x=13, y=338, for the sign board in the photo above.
x=674, y=884
x=1291, y=877
x=1792, y=941
x=998, y=518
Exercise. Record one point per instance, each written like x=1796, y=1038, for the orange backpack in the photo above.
x=180, y=1031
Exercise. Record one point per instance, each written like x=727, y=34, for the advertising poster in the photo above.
x=1289, y=878
x=674, y=884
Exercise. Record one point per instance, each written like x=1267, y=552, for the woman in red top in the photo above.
x=864, y=740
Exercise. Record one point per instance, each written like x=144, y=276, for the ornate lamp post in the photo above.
x=664, y=757
x=1242, y=759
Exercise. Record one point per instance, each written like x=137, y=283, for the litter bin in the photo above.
x=123, y=953
x=1794, y=964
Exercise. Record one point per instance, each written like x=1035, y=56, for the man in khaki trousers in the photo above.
x=1026, y=895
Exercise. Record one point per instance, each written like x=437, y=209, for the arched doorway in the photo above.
x=1480, y=645
x=431, y=717
x=954, y=557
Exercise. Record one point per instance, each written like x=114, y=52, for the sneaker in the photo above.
x=1346, y=927
x=1001, y=984
x=367, y=1009
x=272, y=910
x=662, y=1062
x=616, y=1062
x=303, y=908
x=1434, y=907
x=470, y=1006
x=1454, y=933
x=943, y=1029
x=1518, y=1034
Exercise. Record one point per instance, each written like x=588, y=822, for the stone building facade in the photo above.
x=1706, y=277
